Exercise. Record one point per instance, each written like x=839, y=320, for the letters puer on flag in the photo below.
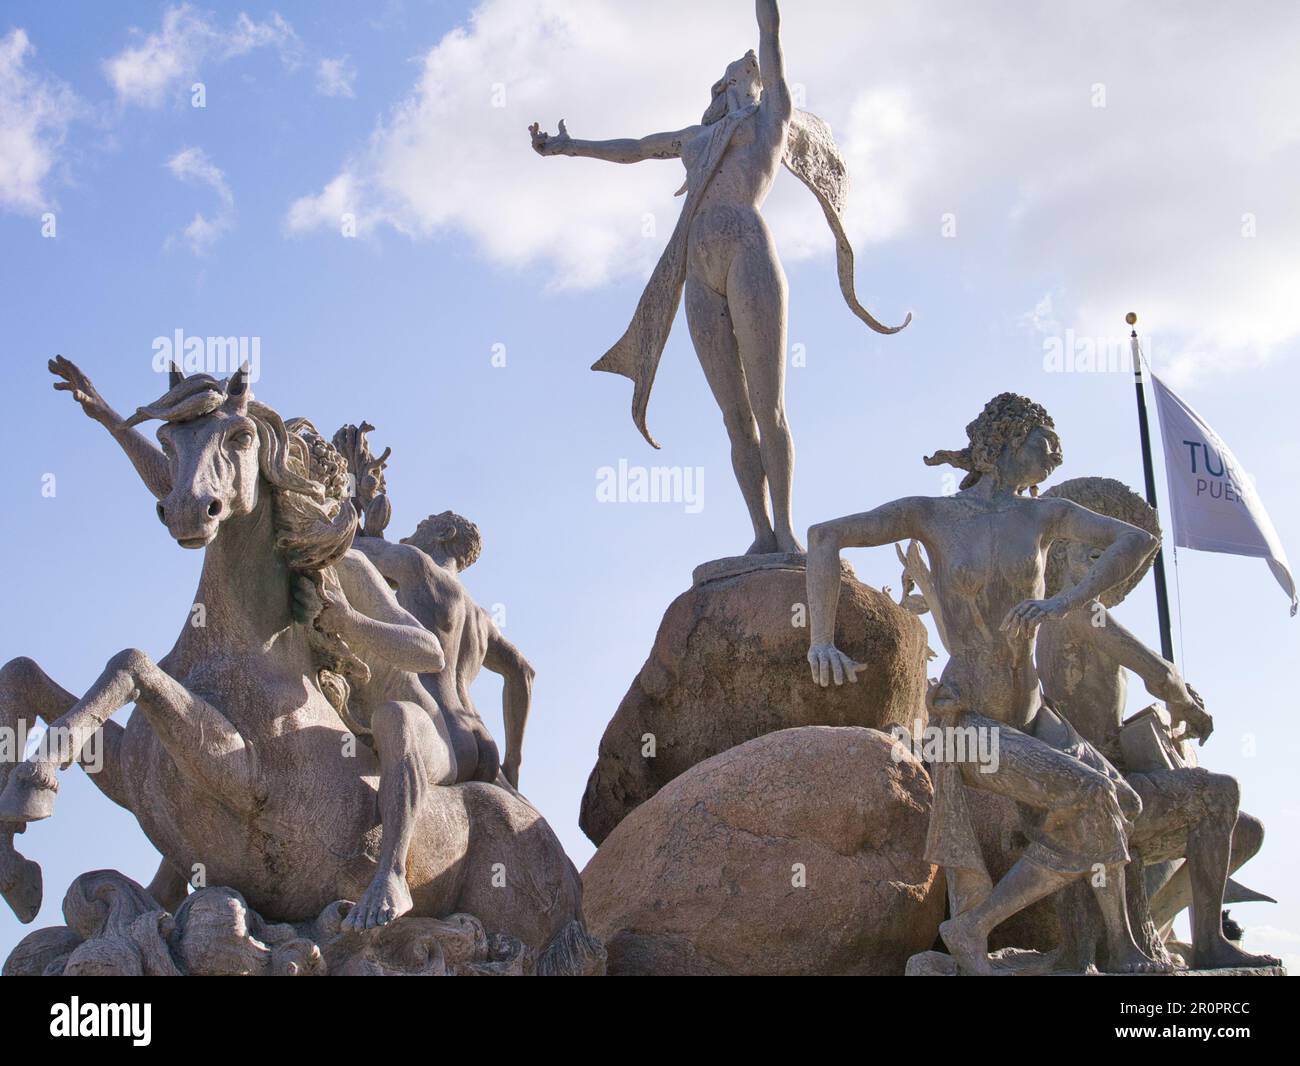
x=1212, y=499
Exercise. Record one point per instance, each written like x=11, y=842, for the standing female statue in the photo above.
x=721, y=252
x=988, y=548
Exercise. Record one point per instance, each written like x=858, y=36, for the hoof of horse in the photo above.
x=24, y=889
x=29, y=795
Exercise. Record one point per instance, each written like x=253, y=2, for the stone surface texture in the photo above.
x=728, y=665
x=702, y=878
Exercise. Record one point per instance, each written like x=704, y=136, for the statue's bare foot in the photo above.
x=788, y=542
x=1132, y=959
x=29, y=795
x=966, y=946
x=1225, y=955
x=21, y=885
x=386, y=900
x=764, y=544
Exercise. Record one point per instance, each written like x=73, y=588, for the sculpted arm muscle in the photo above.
x=901, y=520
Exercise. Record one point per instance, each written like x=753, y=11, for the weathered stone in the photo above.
x=728, y=665
x=795, y=853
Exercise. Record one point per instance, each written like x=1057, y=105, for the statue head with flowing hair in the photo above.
x=1006, y=424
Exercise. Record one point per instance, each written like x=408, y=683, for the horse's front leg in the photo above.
x=199, y=739
x=27, y=694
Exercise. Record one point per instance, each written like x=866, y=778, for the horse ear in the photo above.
x=237, y=396
x=175, y=376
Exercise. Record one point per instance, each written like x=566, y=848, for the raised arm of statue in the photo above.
x=776, y=99
x=516, y=697
x=620, y=150
x=901, y=520
x=145, y=456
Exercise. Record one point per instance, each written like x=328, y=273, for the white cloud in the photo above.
x=987, y=113
x=193, y=166
x=336, y=77
x=145, y=73
x=34, y=116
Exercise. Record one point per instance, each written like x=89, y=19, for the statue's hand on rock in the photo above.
x=76, y=382
x=1187, y=707
x=545, y=144
x=827, y=662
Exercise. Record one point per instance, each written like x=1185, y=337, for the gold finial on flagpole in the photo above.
x=1131, y=318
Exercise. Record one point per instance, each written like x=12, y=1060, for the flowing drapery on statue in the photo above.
x=813, y=157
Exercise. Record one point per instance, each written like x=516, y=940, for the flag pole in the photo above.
x=1144, y=431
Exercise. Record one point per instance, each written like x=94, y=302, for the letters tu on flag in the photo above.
x=1212, y=499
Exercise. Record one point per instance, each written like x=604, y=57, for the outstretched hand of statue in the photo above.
x=76, y=382
x=827, y=662
x=1188, y=708
x=545, y=144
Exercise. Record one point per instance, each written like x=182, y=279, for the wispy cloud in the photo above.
x=336, y=77
x=193, y=166
x=35, y=111
x=146, y=73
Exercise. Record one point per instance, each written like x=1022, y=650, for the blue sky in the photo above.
x=1021, y=179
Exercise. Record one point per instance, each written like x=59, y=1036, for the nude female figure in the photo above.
x=988, y=547
x=735, y=288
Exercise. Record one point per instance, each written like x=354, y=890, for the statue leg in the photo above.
x=967, y=935
x=411, y=758
x=1213, y=799
x=1077, y=829
x=712, y=333
x=26, y=694
x=1123, y=955
x=168, y=887
x=756, y=294
x=199, y=739
x=1173, y=895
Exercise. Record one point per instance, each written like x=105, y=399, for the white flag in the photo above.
x=1212, y=499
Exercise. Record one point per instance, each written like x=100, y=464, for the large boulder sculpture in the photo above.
x=729, y=664
x=795, y=853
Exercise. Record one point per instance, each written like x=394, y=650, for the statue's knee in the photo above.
x=131, y=661
x=1247, y=837
x=18, y=675
x=396, y=724
x=1130, y=803
x=1111, y=798
x=1225, y=792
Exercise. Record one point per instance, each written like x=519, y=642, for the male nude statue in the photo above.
x=424, y=571
x=1187, y=812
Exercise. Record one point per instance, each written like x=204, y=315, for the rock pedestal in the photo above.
x=729, y=664
x=796, y=853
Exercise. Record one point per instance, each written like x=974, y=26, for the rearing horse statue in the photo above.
x=235, y=758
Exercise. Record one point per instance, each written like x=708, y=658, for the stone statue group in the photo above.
x=309, y=762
